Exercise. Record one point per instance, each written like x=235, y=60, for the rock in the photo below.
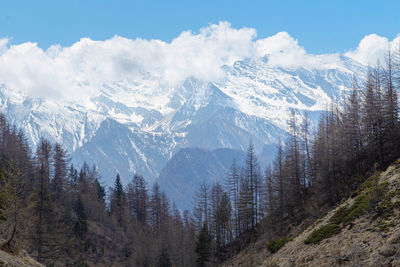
x=388, y=250
x=394, y=238
x=395, y=263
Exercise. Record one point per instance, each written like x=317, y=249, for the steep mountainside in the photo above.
x=181, y=177
x=130, y=126
x=362, y=231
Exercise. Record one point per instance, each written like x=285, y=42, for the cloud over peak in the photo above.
x=373, y=48
x=80, y=69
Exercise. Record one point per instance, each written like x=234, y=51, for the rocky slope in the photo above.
x=362, y=231
x=20, y=260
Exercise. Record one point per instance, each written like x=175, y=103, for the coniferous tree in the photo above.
x=80, y=228
x=202, y=205
x=163, y=259
x=60, y=163
x=390, y=111
x=138, y=198
x=253, y=179
x=155, y=208
x=118, y=201
x=203, y=246
x=43, y=203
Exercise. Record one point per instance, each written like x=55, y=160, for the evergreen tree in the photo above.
x=118, y=201
x=138, y=198
x=163, y=259
x=202, y=205
x=43, y=202
x=60, y=170
x=232, y=183
x=203, y=246
x=252, y=194
x=80, y=227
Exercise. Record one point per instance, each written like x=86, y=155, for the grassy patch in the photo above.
x=364, y=202
x=383, y=226
x=323, y=232
x=385, y=208
x=337, y=218
x=372, y=181
x=368, y=196
x=275, y=245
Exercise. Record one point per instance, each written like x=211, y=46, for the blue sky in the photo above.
x=319, y=26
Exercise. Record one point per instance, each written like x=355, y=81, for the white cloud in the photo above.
x=79, y=70
x=373, y=48
x=3, y=45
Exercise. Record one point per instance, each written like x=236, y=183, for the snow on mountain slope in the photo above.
x=137, y=125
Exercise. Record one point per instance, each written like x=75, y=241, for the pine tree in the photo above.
x=60, y=170
x=203, y=246
x=118, y=201
x=222, y=225
x=163, y=259
x=80, y=228
x=43, y=206
x=202, y=205
x=293, y=167
x=232, y=184
x=252, y=178
x=390, y=112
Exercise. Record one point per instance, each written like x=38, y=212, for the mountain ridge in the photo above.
x=251, y=102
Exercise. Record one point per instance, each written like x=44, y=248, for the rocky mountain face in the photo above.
x=137, y=126
x=362, y=231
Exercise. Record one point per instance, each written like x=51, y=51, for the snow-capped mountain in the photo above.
x=130, y=126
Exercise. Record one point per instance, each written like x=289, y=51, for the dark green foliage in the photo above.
x=163, y=259
x=275, y=245
x=323, y=232
x=101, y=192
x=203, y=247
x=80, y=227
x=337, y=218
x=369, y=183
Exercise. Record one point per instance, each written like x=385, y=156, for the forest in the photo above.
x=63, y=216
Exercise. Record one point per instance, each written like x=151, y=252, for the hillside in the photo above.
x=362, y=231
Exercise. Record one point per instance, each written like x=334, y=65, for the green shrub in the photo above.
x=275, y=245
x=372, y=181
x=383, y=226
x=323, y=232
x=364, y=202
x=337, y=218
x=368, y=196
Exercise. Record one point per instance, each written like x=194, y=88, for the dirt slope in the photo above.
x=362, y=231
